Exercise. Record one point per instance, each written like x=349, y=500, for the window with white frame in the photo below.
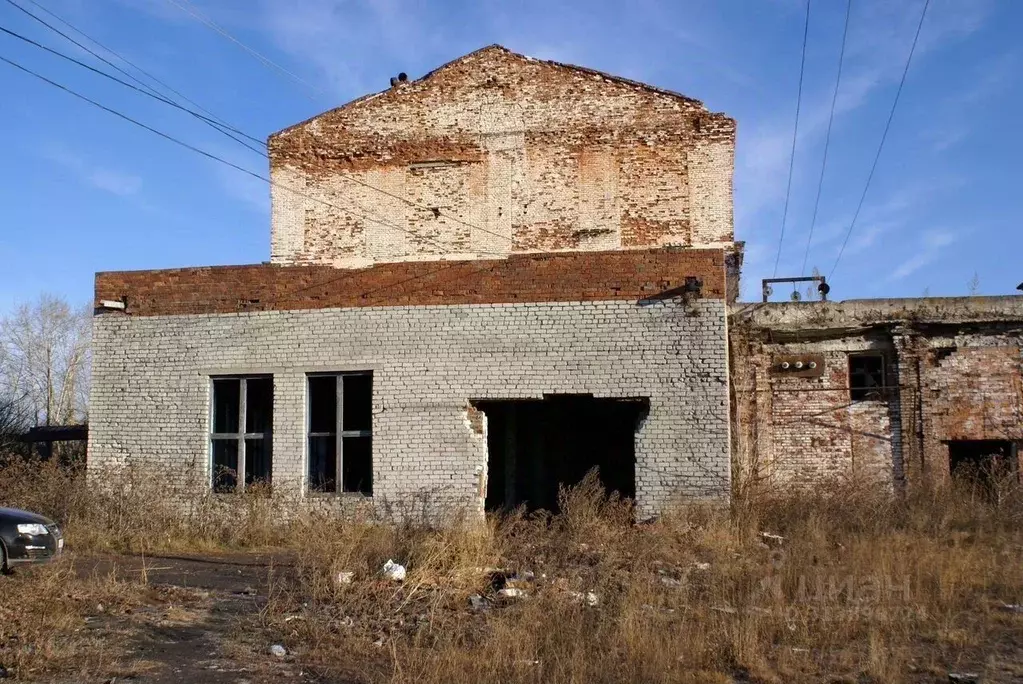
x=241, y=431
x=340, y=432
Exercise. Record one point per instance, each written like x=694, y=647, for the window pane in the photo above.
x=225, y=465
x=226, y=404
x=358, y=401
x=322, y=464
x=259, y=401
x=258, y=463
x=323, y=403
x=358, y=465
x=866, y=377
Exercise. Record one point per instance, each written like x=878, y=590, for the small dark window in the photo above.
x=982, y=463
x=241, y=456
x=341, y=433
x=866, y=377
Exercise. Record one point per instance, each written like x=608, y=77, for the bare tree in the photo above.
x=44, y=361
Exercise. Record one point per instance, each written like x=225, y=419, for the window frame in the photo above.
x=339, y=433
x=241, y=436
x=881, y=390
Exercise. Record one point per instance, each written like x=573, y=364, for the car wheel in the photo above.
x=5, y=568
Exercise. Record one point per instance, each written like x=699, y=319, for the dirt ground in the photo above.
x=198, y=620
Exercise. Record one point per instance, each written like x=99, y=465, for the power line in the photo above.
x=188, y=8
x=147, y=93
x=827, y=136
x=217, y=127
x=795, y=133
x=214, y=157
x=145, y=87
x=137, y=68
x=215, y=122
x=884, y=136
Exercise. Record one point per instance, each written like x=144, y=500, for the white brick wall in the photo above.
x=150, y=387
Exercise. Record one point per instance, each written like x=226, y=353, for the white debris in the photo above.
x=776, y=539
x=1012, y=607
x=278, y=651
x=727, y=610
x=344, y=577
x=701, y=566
x=589, y=598
x=670, y=582
x=394, y=571
x=478, y=603
x=511, y=592
x=963, y=677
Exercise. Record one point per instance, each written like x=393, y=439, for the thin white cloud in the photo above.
x=114, y=182
x=878, y=44
x=100, y=177
x=930, y=246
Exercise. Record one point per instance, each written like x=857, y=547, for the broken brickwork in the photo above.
x=435, y=339
x=496, y=153
x=950, y=372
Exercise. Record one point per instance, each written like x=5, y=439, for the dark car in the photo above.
x=27, y=538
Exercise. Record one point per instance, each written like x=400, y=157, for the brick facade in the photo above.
x=952, y=373
x=150, y=402
x=497, y=153
x=503, y=228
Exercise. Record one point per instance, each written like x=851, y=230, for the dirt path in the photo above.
x=197, y=621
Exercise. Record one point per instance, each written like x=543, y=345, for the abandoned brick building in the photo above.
x=901, y=391
x=485, y=282
x=482, y=283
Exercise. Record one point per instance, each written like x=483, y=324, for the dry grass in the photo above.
x=44, y=630
x=861, y=587
x=133, y=511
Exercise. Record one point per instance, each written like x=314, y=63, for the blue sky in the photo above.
x=81, y=191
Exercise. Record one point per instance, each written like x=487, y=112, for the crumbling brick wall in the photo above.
x=802, y=430
x=953, y=372
x=497, y=153
x=973, y=391
x=511, y=329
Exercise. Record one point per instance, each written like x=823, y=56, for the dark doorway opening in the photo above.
x=536, y=445
x=981, y=462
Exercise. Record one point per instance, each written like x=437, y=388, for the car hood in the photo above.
x=18, y=516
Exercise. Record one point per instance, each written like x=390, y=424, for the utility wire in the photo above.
x=189, y=8
x=81, y=46
x=147, y=93
x=795, y=133
x=214, y=157
x=827, y=136
x=137, y=68
x=884, y=136
x=219, y=127
x=144, y=87
x=212, y=120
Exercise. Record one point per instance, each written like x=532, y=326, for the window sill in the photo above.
x=338, y=495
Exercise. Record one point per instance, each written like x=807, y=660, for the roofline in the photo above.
x=872, y=313
x=493, y=46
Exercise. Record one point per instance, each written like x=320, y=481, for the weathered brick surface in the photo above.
x=970, y=388
x=150, y=392
x=953, y=368
x=589, y=276
x=802, y=430
x=515, y=155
